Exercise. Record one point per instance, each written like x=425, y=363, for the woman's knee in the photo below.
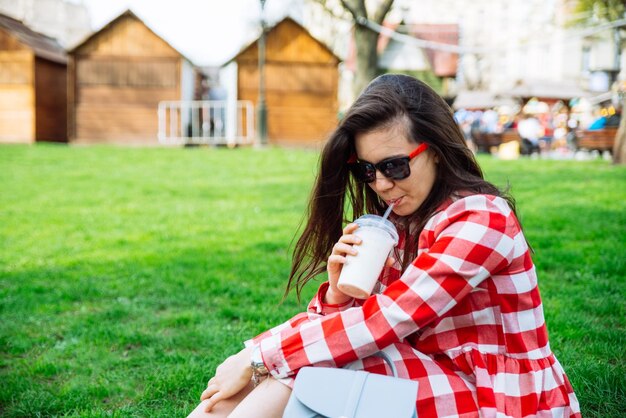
x=267, y=400
x=198, y=412
x=223, y=408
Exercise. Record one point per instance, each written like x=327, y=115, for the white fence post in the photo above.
x=210, y=122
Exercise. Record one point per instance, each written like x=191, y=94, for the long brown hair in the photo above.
x=387, y=100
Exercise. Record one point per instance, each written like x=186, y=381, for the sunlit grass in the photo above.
x=126, y=275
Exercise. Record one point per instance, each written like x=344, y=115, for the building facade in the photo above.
x=301, y=82
x=118, y=76
x=513, y=43
x=33, y=85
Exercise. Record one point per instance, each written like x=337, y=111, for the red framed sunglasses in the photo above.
x=395, y=168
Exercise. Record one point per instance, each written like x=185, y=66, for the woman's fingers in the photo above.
x=350, y=228
x=351, y=239
x=347, y=241
x=339, y=259
x=341, y=248
x=213, y=400
x=208, y=392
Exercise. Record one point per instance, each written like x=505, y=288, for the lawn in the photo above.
x=127, y=274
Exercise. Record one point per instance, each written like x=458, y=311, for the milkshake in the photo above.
x=360, y=272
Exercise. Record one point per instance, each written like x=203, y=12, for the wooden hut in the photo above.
x=118, y=76
x=33, y=85
x=301, y=82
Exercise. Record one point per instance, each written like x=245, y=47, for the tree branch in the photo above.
x=356, y=8
x=382, y=11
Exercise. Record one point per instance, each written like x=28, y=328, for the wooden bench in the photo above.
x=486, y=141
x=510, y=135
x=600, y=140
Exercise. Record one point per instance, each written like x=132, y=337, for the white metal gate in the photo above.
x=211, y=122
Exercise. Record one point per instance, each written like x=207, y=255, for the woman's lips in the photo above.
x=396, y=202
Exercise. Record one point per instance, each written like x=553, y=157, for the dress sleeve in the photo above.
x=318, y=306
x=468, y=242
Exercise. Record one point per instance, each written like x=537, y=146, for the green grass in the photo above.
x=128, y=274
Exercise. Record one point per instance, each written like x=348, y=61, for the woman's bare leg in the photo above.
x=267, y=400
x=221, y=409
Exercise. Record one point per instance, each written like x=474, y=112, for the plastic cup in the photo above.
x=360, y=272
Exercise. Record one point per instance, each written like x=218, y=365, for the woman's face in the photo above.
x=408, y=193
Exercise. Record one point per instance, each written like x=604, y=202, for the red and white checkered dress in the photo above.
x=465, y=320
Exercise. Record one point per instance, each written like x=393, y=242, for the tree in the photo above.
x=610, y=10
x=366, y=39
x=601, y=9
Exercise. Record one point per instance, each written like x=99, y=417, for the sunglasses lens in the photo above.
x=363, y=172
x=397, y=168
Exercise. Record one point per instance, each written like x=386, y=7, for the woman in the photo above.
x=457, y=307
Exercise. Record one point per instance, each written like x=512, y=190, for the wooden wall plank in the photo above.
x=296, y=99
x=316, y=78
x=128, y=72
x=116, y=124
x=301, y=124
x=16, y=126
x=106, y=96
x=15, y=67
x=15, y=97
x=17, y=113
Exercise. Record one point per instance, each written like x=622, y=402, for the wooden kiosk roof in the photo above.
x=127, y=13
x=250, y=51
x=42, y=45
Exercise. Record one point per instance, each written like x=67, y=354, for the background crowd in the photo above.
x=537, y=128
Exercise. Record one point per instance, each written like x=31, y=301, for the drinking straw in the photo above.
x=387, y=212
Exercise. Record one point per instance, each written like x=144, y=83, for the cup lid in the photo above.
x=378, y=222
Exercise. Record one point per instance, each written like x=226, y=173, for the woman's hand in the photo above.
x=230, y=377
x=345, y=246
